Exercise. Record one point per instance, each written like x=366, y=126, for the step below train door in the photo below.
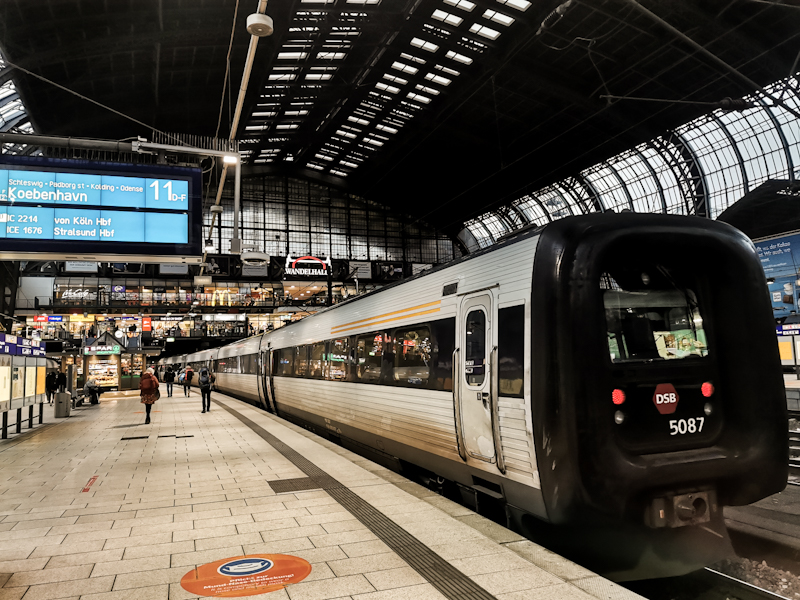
x=476, y=332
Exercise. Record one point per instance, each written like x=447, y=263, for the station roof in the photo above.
x=442, y=109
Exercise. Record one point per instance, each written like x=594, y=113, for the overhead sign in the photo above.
x=241, y=576
x=360, y=269
x=50, y=206
x=80, y=266
x=102, y=349
x=307, y=266
x=17, y=346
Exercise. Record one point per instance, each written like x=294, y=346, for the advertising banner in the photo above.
x=780, y=258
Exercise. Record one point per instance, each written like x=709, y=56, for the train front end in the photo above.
x=657, y=391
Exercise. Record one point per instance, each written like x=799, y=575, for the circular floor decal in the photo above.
x=246, y=575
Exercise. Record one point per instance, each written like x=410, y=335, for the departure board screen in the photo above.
x=52, y=206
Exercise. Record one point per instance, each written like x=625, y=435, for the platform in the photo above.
x=100, y=506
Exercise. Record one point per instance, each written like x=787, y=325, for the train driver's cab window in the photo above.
x=651, y=316
x=338, y=354
x=283, y=362
x=316, y=360
x=301, y=361
x=413, y=361
x=475, y=351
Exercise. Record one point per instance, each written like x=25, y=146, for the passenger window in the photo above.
x=413, y=360
x=283, y=362
x=338, y=353
x=369, y=352
x=301, y=361
x=475, y=352
x=316, y=360
x=511, y=350
x=444, y=342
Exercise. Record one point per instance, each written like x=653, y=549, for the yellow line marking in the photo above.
x=417, y=314
x=396, y=312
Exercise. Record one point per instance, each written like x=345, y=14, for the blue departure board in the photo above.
x=123, y=209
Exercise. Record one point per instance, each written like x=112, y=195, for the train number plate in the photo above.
x=686, y=426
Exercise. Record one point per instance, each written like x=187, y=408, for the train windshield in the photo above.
x=651, y=317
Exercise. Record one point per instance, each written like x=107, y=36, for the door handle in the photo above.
x=483, y=397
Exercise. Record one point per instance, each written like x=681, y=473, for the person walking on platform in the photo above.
x=50, y=385
x=169, y=379
x=149, y=391
x=62, y=381
x=187, y=381
x=205, y=380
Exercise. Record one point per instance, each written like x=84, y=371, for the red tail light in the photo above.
x=618, y=397
x=707, y=389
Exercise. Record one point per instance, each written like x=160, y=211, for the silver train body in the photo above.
x=501, y=375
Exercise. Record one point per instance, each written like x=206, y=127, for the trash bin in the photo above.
x=63, y=404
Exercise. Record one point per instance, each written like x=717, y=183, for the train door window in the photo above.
x=412, y=364
x=511, y=350
x=475, y=351
x=369, y=352
x=283, y=362
x=301, y=361
x=338, y=353
x=316, y=360
x=651, y=315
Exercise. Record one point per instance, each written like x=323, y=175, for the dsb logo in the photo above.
x=665, y=398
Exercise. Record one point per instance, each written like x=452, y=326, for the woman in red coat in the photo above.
x=149, y=391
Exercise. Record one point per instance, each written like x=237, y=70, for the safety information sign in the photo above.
x=246, y=575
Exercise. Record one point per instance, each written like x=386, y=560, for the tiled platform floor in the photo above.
x=162, y=505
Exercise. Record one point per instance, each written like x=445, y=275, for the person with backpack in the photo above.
x=148, y=385
x=169, y=379
x=187, y=381
x=205, y=380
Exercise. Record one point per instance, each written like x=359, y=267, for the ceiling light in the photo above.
x=230, y=159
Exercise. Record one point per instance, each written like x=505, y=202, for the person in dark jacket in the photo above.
x=169, y=379
x=187, y=381
x=204, y=381
x=51, y=385
x=62, y=381
x=92, y=390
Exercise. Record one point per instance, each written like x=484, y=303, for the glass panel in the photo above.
x=17, y=381
x=369, y=351
x=284, y=362
x=301, y=361
x=30, y=378
x=661, y=321
x=511, y=350
x=412, y=364
x=475, y=354
x=337, y=359
x=316, y=360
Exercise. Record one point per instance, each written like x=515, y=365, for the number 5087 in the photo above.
x=684, y=426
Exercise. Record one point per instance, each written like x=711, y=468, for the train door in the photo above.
x=476, y=333
x=264, y=390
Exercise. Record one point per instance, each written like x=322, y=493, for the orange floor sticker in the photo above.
x=246, y=575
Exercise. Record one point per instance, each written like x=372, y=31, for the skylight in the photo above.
x=287, y=126
x=398, y=80
x=426, y=89
x=486, y=32
x=452, y=72
x=373, y=141
x=412, y=58
x=348, y=164
x=331, y=55
x=346, y=134
x=462, y=4
x=363, y=1
x=282, y=77
x=386, y=128
x=292, y=55
x=498, y=17
x=423, y=45
x=438, y=79
x=357, y=120
x=337, y=172
x=387, y=88
x=294, y=113
x=319, y=76
x=459, y=57
x=404, y=68
x=418, y=98
x=447, y=18
x=522, y=5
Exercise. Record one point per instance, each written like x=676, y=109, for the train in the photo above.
x=583, y=380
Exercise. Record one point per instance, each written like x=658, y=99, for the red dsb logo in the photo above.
x=665, y=398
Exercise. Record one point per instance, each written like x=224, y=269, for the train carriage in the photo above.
x=585, y=375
